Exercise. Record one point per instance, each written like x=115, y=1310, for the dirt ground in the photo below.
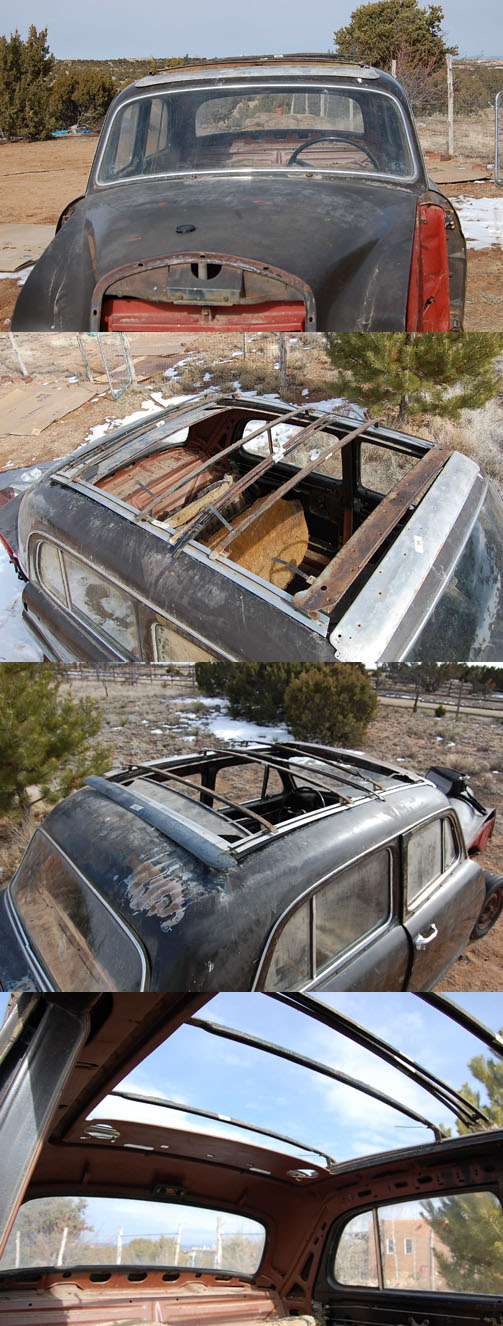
x=38, y=180
x=131, y=713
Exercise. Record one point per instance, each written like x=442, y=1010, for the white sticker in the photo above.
x=418, y=543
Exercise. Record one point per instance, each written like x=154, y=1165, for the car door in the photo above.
x=347, y=934
x=443, y=894
x=431, y=1257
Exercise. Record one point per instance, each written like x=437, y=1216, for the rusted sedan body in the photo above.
x=235, y=528
x=277, y=193
x=290, y=866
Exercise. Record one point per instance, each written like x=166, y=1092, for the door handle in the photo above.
x=423, y=940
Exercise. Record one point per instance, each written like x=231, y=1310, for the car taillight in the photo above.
x=428, y=304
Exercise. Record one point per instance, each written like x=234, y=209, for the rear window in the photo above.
x=349, y=129
x=77, y=1231
x=79, y=941
x=468, y=617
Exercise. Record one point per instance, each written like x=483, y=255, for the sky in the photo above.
x=123, y=28
x=195, y=1068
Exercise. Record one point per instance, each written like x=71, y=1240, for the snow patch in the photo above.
x=16, y=641
x=481, y=220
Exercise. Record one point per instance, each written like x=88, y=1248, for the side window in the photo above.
x=448, y=1243
x=431, y=851
x=290, y=965
x=346, y=910
x=88, y=594
x=424, y=858
x=382, y=467
x=351, y=906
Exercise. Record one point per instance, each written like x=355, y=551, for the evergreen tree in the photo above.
x=41, y=1224
x=43, y=740
x=376, y=33
x=81, y=96
x=25, y=72
x=330, y=703
x=441, y=373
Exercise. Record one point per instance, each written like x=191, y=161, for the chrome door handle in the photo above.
x=423, y=940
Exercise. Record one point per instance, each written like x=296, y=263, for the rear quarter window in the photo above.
x=447, y=1243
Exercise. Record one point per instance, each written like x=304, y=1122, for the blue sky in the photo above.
x=95, y=30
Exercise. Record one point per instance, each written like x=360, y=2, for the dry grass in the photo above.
x=14, y=839
x=478, y=434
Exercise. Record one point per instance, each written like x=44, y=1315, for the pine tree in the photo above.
x=26, y=68
x=440, y=373
x=43, y=740
x=377, y=32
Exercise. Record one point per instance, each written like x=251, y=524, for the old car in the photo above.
x=236, y=528
x=270, y=867
x=271, y=193
x=192, y=1203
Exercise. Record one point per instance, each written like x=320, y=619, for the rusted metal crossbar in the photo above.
x=369, y=537
x=290, y=483
x=169, y=776
x=303, y=435
x=221, y=455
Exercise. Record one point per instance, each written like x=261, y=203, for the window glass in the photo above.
x=89, y=1231
x=447, y=1243
x=49, y=570
x=382, y=467
x=450, y=845
x=102, y=603
x=171, y=647
x=468, y=617
x=125, y=130
x=424, y=858
x=351, y=906
x=290, y=965
x=355, y=1262
x=261, y=127
x=78, y=940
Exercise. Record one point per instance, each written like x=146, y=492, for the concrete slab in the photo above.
x=22, y=243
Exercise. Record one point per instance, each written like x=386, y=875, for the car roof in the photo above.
x=161, y=792
x=297, y=65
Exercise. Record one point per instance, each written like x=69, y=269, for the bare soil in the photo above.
x=38, y=179
x=132, y=712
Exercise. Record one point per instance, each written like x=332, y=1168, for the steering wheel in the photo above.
x=337, y=138
x=304, y=798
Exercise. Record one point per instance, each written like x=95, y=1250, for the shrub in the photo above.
x=330, y=703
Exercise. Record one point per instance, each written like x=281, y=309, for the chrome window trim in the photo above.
x=97, y=893
x=137, y=599
x=251, y=172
